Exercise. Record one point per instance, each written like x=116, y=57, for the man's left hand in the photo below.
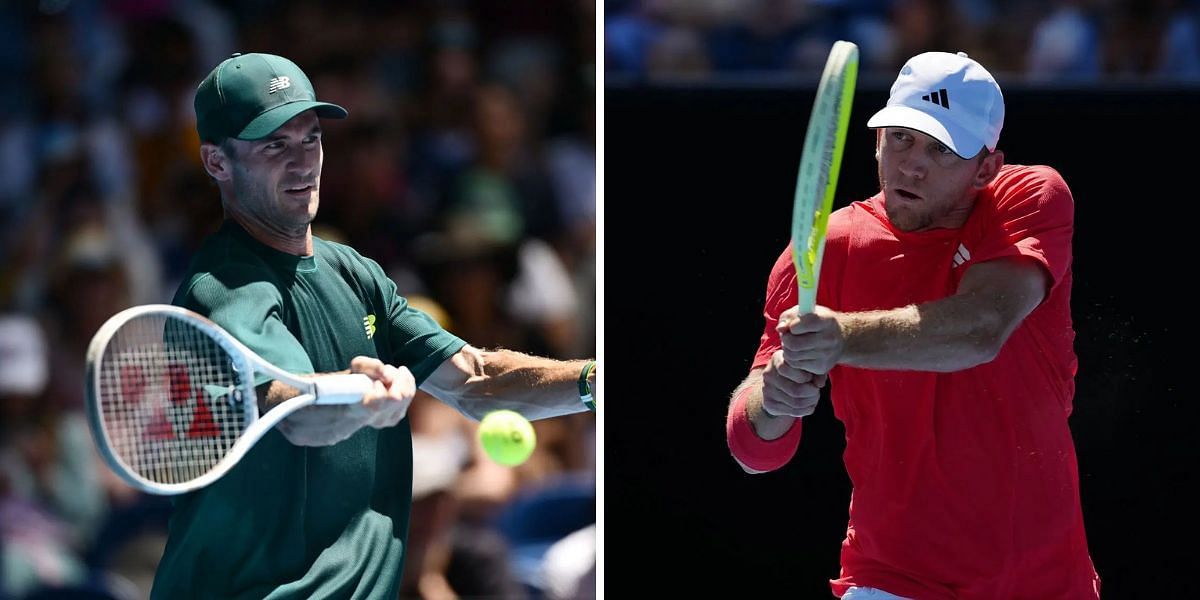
x=813, y=342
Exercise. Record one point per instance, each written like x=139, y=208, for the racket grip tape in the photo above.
x=342, y=388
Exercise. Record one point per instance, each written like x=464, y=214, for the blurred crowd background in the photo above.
x=466, y=169
x=1060, y=41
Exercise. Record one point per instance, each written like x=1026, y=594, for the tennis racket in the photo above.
x=171, y=397
x=819, y=165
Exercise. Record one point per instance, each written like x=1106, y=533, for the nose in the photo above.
x=303, y=162
x=912, y=165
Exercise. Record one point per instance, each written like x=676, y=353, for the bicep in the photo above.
x=1008, y=288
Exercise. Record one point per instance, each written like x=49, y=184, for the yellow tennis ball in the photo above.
x=507, y=437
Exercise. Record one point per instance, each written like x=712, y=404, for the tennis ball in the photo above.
x=507, y=437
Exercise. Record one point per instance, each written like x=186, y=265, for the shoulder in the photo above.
x=843, y=218
x=207, y=289
x=331, y=248
x=341, y=254
x=223, y=251
x=1019, y=183
x=861, y=220
x=1043, y=174
x=223, y=265
x=349, y=264
x=783, y=264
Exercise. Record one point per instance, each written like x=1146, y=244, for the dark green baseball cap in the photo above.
x=248, y=96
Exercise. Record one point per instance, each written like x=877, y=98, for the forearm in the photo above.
x=274, y=393
x=766, y=427
x=945, y=335
x=534, y=386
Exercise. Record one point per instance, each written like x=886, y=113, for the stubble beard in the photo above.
x=904, y=220
x=268, y=211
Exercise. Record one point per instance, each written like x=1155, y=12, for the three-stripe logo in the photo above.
x=938, y=97
x=961, y=256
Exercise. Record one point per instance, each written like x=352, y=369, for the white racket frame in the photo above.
x=319, y=389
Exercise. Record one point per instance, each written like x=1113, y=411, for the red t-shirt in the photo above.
x=965, y=483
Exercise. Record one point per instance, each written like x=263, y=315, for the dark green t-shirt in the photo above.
x=289, y=521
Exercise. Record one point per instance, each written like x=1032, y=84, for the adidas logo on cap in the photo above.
x=939, y=98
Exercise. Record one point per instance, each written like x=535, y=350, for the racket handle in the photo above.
x=345, y=388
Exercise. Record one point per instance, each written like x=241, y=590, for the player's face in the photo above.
x=925, y=184
x=277, y=180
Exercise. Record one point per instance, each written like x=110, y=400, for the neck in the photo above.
x=294, y=242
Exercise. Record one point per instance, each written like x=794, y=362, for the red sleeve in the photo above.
x=745, y=445
x=1034, y=217
x=781, y=295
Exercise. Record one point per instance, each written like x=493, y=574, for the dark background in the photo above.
x=698, y=191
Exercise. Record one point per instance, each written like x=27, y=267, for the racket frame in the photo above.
x=323, y=389
x=820, y=163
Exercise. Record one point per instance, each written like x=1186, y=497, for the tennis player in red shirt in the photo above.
x=943, y=326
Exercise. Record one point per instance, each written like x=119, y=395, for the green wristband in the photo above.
x=585, y=387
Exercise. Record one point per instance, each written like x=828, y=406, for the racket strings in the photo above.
x=171, y=398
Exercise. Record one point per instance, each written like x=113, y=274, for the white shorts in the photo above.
x=868, y=593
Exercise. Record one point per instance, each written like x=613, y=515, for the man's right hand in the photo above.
x=788, y=391
x=385, y=405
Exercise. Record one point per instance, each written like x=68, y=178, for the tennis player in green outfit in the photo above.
x=319, y=508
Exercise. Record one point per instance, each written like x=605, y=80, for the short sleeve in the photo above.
x=1034, y=216
x=247, y=305
x=417, y=340
x=781, y=295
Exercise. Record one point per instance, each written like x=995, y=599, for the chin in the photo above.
x=902, y=220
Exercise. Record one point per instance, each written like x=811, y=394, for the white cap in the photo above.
x=949, y=97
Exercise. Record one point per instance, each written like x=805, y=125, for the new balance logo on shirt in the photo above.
x=938, y=97
x=369, y=326
x=961, y=256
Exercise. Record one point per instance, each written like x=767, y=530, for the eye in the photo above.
x=273, y=146
x=941, y=148
x=900, y=140
x=312, y=139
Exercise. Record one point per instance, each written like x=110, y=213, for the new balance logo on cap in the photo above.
x=282, y=83
x=939, y=97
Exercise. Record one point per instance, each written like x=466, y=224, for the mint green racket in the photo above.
x=819, y=166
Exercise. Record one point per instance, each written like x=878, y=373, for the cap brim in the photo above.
x=954, y=137
x=266, y=123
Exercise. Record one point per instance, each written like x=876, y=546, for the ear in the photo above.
x=216, y=162
x=878, y=141
x=989, y=168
